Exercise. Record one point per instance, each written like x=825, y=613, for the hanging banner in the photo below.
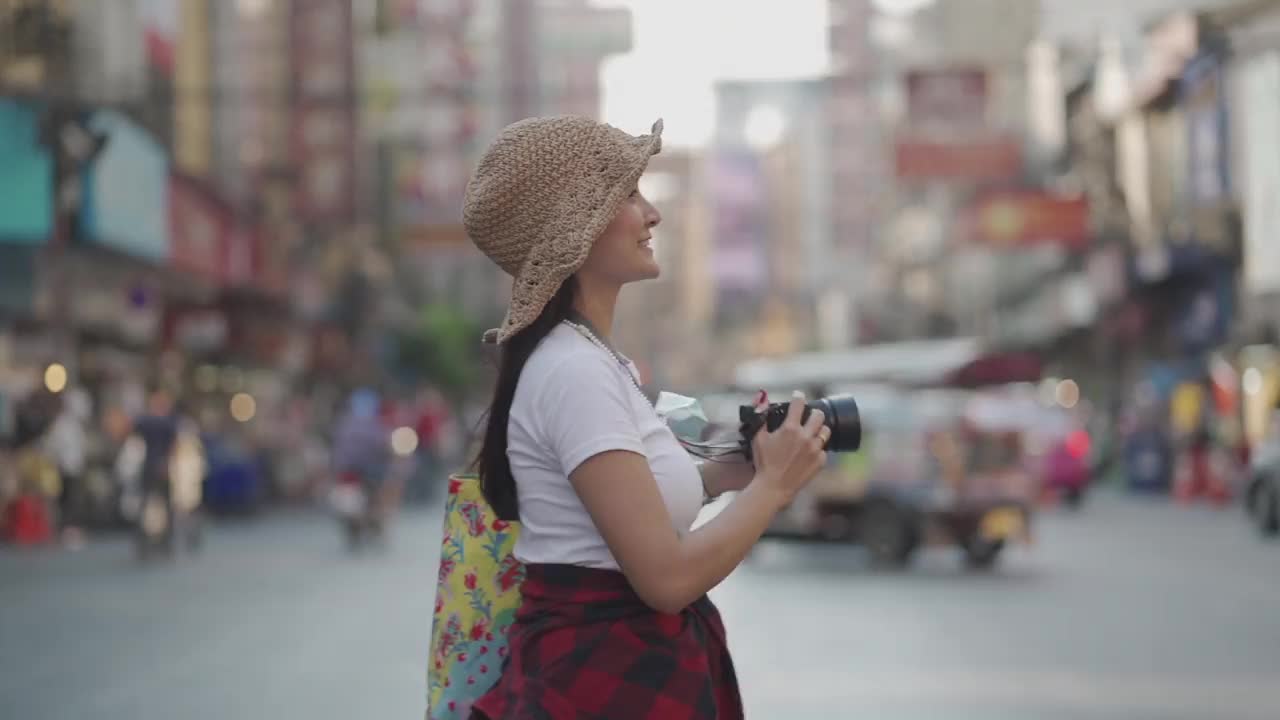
x=1206, y=111
x=739, y=267
x=160, y=22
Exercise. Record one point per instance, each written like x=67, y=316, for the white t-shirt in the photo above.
x=574, y=401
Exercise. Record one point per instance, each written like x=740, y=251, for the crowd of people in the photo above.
x=69, y=471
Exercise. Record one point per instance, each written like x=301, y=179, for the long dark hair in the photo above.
x=496, y=481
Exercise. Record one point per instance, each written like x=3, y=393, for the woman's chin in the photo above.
x=653, y=272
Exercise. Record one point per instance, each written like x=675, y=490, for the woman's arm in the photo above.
x=722, y=476
x=668, y=571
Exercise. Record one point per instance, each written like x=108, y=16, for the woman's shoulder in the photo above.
x=565, y=357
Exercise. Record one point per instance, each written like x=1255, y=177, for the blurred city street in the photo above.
x=247, y=263
x=1130, y=610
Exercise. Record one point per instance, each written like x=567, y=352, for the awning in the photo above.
x=910, y=363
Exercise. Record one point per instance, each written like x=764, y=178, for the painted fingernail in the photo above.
x=798, y=395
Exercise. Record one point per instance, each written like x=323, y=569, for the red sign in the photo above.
x=323, y=132
x=993, y=159
x=199, y=223
x=1029, y=217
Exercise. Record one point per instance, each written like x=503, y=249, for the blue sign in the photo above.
x=126, y=194
x=1204, y=320
x=26, y=176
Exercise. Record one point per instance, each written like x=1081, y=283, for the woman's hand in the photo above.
x=790, y=456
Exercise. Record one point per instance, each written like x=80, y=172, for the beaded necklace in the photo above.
x=585, y=330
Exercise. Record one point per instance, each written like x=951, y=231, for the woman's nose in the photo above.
x=653, y=216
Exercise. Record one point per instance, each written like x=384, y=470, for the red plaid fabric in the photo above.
x=584, y=646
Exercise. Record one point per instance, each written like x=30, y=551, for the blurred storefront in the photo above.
x=1253, y=81
x=1254, y=92
x=1165, y=155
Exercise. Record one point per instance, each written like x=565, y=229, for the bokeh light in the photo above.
x=404, y=441
x=55, y=378
x=243, y=407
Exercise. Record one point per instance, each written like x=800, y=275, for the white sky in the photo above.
x=681, y=47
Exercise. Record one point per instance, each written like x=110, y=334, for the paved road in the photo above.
x=1128, y=610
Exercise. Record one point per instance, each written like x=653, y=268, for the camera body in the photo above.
x=841, y=417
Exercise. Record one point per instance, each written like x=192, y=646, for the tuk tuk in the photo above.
x=939, y=466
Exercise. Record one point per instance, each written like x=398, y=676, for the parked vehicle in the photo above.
x=938, y=467
x=1262, y=493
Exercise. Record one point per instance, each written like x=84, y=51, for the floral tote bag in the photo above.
x=477, y=594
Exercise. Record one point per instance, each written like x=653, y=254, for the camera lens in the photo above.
x=842, y=417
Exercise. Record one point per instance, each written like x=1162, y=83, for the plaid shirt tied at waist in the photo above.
x=584, y=645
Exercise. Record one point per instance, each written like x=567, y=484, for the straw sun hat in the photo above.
x=543, y=192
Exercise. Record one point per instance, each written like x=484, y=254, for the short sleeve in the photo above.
x=584, y=409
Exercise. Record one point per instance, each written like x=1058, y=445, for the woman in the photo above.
x=615, y=621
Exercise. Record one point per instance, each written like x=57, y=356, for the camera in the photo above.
x=841, y=417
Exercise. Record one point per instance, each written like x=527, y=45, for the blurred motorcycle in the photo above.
x=353, y=500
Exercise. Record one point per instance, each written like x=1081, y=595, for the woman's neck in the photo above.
x=596, y=303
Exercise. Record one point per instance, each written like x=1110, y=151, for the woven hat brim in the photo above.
x=544, y=272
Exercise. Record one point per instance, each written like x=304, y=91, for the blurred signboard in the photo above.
x=1031, y=217
x=323, y=132
x=126, y=194
x=740, y=223
x=978, y=159
x=947, y=97
x=199, y=226
x=1204, y=319
x=26, y=174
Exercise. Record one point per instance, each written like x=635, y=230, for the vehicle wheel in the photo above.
x=195, y=537
x=836, y=527
x=1074, y=498
x=352, y=532
x=1251, y=495
x=1266, y=509
x=888, y=534
x=982, y=554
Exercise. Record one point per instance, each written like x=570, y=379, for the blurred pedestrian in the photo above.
x=433, y=417
x=615, y=575
x=157, y=428
x=67, y=442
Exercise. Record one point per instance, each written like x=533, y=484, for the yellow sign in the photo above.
x=1001, y=524
x=1186, y=406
